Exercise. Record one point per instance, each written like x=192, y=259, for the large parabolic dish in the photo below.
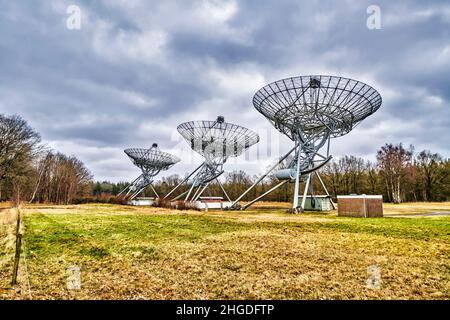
x=310, y=110
x=216, y=141
x=151, y=162
x=316, y=104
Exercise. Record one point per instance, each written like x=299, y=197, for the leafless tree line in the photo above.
x=60, y=179
x=30, y=171
x=398, y=173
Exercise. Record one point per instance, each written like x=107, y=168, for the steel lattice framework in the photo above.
x=310, y=110
x=151, y=162
x=216, y=141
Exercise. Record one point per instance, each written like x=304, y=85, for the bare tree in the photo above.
x=333, y=174
x=354, y=170
x=18, y=145
x=238, y=181
x=61, y=178
x=392, y=162
x=372, y=176
x=428, y=164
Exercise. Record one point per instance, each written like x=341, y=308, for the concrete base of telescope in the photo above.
x=142, y=201
x=318, y=203
x=205, y=203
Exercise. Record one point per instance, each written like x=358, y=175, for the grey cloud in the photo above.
x=137, y=69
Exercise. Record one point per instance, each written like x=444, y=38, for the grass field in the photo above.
x=148, y=253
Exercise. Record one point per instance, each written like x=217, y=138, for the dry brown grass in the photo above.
x=151, y=253
x=414, y=208
x=5, y=204
x=8, y=218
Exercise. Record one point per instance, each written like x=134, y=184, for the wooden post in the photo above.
x=17, y=259
x=19, y=220
x=18, y=246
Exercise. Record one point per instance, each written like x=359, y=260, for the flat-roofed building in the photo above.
x=367, y=206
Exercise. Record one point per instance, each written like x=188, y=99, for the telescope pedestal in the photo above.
x=137, y=186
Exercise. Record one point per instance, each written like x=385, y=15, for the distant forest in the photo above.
x=31, y=171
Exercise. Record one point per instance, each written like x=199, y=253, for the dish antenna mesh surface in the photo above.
x=216, y=141
x=151, y=162
x=310, y=110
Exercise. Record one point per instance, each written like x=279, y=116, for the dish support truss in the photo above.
x=216, y=141
x=203, y=176
x=151, y=162
x=210, y=170
x=138, y=185
x=303, y=167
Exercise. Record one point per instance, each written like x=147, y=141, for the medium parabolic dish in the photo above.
x=315, y=104
x=215, y=139
x=151, y=159
x=151, y=162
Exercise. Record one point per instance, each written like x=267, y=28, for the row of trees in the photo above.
x=60, y=179
x=19, y=145
x=399, y=174
x=30, y=171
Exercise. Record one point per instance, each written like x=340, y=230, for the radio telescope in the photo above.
x=151, y=161
x=311, y=110
x=216, y=141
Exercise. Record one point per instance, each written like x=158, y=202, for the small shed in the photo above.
x=366, y=206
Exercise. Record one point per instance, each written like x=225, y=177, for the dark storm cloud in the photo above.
x=137, y=69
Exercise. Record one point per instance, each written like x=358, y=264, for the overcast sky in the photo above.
x=136, y=69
